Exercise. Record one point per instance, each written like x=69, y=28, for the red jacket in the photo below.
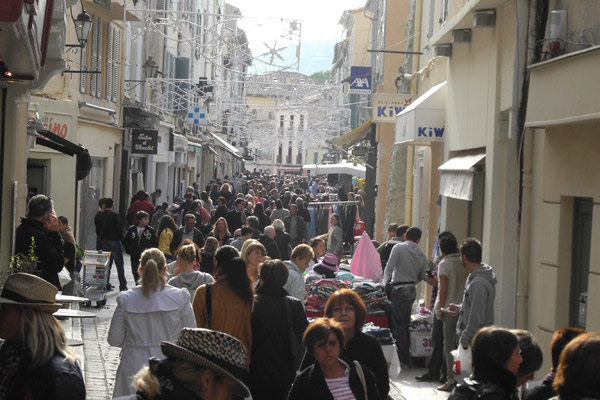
x=140, y=205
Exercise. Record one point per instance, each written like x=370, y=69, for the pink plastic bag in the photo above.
x=366, y=261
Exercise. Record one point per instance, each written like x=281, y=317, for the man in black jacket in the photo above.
x=236, y=217
x=138, y=238
x=41, y=225
x=188, y=231
x=111, y=236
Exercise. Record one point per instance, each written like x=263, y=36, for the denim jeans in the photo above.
x=402, y=302
x=116, y=255
x=436, y=365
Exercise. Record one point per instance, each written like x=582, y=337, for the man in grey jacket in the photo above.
x=406, y=267
x=477, y=308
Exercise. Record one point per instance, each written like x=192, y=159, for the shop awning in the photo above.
x=457, y=176
x=354, y=136
x=210, y=148
x=231, y=149
x=343, y=167
x=425, y=119
x=83, y=163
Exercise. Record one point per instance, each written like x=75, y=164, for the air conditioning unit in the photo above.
x=484, y=19
x=444, y=50
x=461, y=35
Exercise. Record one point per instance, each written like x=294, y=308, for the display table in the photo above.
x=378, y=320
x=67, y=313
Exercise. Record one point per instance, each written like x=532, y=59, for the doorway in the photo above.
x=580, y=265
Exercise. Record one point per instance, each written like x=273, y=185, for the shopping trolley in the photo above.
x=95, y=276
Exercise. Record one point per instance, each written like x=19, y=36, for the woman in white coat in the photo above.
x=145, y=316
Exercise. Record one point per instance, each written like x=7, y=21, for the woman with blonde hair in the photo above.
x=226, y=193
x=221, y=232
x=166, y=230
x=187, y=277
x=145, y=316
x=253, y=253
x=35, y=360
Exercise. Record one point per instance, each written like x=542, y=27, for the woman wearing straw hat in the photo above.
x=145, y=316
x=35, y=361
x=202, y=364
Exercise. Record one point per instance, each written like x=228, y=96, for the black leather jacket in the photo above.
x=58, y=379
x=500, y=386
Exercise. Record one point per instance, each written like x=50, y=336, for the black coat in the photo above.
x=134, y=244
x=54, y=380
x=310, y=384
x=270, y=246
x=49, y=248
x=178, y=238
x=284, y=243
x=500, y=385
x=271, y=369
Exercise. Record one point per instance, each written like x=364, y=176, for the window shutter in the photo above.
x=127, y=58
x=94, y=60
x=116, y=64
x=99, y=60
x=109, y=62
x=82, y=77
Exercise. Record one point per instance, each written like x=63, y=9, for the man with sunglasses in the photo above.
x=41, y=225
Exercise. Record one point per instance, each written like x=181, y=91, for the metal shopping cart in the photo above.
x=95, y=276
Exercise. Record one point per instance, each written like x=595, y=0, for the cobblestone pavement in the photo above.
x=99, y=361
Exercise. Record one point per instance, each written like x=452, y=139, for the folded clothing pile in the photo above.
x=383, y=335
x=422, y=322
x=373, y=295
x=319, y=292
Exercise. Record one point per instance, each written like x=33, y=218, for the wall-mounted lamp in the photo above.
x=150, y=71
x=83, y=25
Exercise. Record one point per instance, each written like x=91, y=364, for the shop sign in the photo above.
x=360, y=80
x=387, y=106
x=144, y=141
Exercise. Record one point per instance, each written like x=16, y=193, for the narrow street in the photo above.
x=100, y=360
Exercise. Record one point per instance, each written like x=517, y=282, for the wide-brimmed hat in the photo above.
x=214, y=350
x=30, y=291
x=329, y=261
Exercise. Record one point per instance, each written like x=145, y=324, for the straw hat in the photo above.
x=30, y=291
x=214, y=350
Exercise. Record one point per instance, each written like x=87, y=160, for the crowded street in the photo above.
x=292, y=200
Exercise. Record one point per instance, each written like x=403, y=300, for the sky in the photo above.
x=319, y=17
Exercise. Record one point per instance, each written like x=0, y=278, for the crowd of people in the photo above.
x=215, y=310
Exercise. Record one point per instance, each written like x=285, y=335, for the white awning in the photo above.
x=456, y=178
x=225, y=145
x=424, y=120
x=343, y=167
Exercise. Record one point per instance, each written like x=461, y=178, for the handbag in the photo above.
x=361, y=376
x=297, y=348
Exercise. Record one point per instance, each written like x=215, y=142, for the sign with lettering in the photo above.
x=144, y=141
x=387, y=106
x=360, y=80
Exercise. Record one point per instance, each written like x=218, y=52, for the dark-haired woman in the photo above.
x=331, y=377
x=231, y=298
x=145, y=316
x=272, y=370
x=496, y=357
x=259, y=212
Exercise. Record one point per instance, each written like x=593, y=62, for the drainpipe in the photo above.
x=410, y=149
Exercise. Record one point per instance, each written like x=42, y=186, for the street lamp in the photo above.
x=150, y=68
x=83, y=25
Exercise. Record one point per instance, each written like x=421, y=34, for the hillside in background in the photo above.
x=314, y=57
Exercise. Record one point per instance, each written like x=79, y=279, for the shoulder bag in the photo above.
x=297, y=348
x=361, y=376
